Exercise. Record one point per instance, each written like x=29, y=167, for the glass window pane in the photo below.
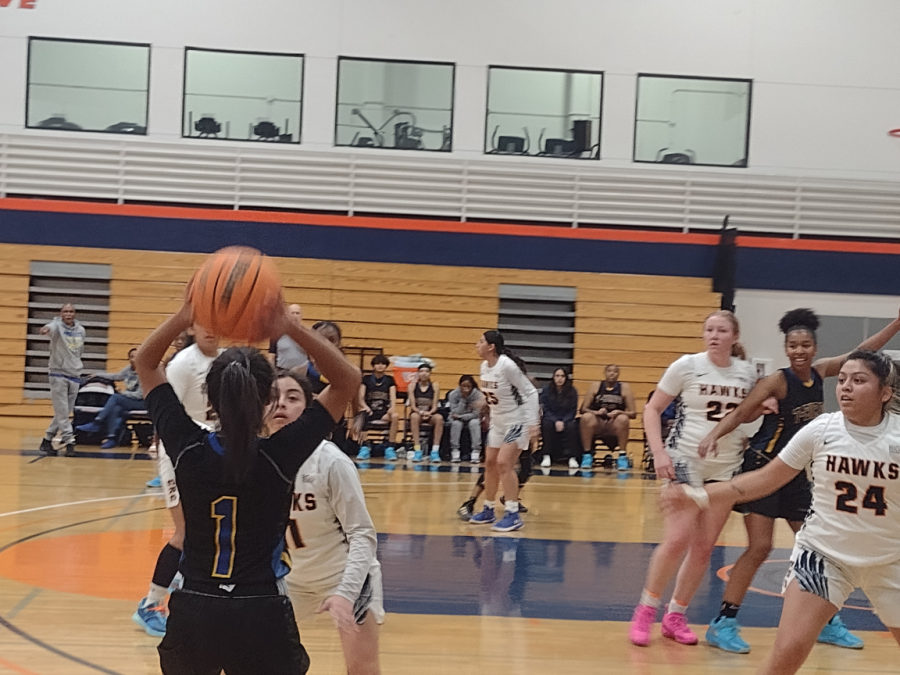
x=692, y=121
x=90, y=86
x=543, y=113
x=394, y=104
x=242, y=96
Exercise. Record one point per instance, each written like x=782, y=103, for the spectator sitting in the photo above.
x=286, y=354
x=111, y=420
x=377, y=398
x=423, y=404
x=607, y=410
x=467, y=405
x=559, y=430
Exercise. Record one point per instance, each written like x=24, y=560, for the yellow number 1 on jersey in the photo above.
x=224, y=512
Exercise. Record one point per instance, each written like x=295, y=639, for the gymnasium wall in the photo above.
x=641, y=322
x=825, y=87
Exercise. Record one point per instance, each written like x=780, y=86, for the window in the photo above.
x=550, y=113
x=394, y=104
x=52, y=285
x=683, y=120
x=538, y=324
x=242, y=95
x=81, y=85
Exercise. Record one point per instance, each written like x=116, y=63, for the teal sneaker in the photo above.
x=151, y=619
x=435, y=456
x=725, y=633
x=587, y=461
x=390, y=454
x=622, y=462
x=836, y=633
x=417, y=456
x=364, y=452
x=155, y=483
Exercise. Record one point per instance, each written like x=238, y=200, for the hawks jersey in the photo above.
x=706, y=393
x=855, y=517
x=330, y=536
x=509, y=392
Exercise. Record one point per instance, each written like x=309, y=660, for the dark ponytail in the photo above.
x=239, y=386
x=495, y=337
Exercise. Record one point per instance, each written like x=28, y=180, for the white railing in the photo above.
x=575, y=193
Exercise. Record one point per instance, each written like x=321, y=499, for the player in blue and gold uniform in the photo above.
x=233, y=613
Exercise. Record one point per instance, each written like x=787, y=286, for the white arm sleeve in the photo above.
x=674, y=379
x=349, y=505
x=521, y=382
x=798, y=453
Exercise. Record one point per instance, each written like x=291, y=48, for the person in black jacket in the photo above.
x=559, y=430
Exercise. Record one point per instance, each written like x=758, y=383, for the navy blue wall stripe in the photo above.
x=758, y=268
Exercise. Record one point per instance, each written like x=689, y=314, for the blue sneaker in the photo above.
x=364, y=452
x=390, y=453
x=486, y=517
x=622, y=462
x=509, y=522
x=417, y=456
x=151, y=619
x=836, y=633
x=155, y=483
x=435, y=456
x=725, y=633
x=89, y=428
x=587, y=461
x=107, y=444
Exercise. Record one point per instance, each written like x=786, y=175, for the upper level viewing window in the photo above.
x=248, y=96
x=406, y=105
x=682, y=120
x=543, y=113
x=83, y=85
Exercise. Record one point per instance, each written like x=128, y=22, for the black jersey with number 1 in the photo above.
x=234, y=532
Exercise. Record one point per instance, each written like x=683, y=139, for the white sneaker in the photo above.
x=573, y=463
x=476, y=457
x=454, y=455
x=545, y=462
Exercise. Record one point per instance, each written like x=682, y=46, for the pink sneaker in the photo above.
x=641, y=623
x=675, y=627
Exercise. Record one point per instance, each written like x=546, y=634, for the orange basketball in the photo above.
x=232, y=290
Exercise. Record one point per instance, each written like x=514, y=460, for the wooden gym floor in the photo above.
x=79, y=538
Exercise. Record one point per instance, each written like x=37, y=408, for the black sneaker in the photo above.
x=70, y=450
x=47, y=448
x=466, y=510
x=522, y=507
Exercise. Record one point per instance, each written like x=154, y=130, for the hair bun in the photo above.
x=805, y=318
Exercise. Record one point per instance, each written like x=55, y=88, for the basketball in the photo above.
x=233, y=288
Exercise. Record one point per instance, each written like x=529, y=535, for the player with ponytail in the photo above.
x=236, y=493
x=513, y=405
x=798, y=393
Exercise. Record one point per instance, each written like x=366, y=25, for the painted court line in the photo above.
x=84, y=501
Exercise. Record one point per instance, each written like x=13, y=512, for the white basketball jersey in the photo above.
x=186, y=373
x=509, y=393
x=706, y=393
x=330, y=536
x=855, y=518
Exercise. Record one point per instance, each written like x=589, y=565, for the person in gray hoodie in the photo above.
x=66, y=346
x=111, y=420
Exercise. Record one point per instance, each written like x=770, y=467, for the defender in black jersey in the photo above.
x=798, y=392
x=236, y=490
